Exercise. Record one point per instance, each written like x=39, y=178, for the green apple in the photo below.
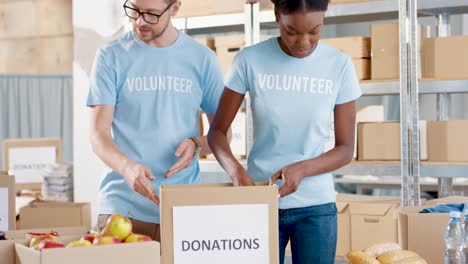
x=79, y=243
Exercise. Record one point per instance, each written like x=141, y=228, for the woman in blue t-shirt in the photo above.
x=296, y=84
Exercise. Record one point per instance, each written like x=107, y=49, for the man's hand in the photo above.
x=139, y=177
x=291, y=177
x=185, y=152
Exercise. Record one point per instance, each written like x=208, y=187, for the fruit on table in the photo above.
x=395, y=255
x=132, y=238
x=79, y=243
x=38, y=239
x=359, y=257
x=379, y=249
x=45, y=244
x=30, y=235
x=119, y=226
x=106, y=240
x=89, y=237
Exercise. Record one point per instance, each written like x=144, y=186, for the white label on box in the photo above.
x=27, y=163
x=4, y=209
x=228, y=234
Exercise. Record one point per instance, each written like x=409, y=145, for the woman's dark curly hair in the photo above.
x=291, y=6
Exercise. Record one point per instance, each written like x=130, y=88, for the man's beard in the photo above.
x=153, y=35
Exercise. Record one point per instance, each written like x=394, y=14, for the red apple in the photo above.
x=132, y=238
x=118, y=226
x=79, y=243
x=49, y=244
x=38, y=239
x=89, y=237
x=106, y=240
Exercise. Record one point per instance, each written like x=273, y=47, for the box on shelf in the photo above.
x=193, y=8
x=354, y=47
x=363, y=68
x=445, y=58
x=370, y=113
x=55, y=214
x=447, y=141
x=385, y=45
x=381, y=141
x=186, y=206
x=123, y=253
x=7, y=202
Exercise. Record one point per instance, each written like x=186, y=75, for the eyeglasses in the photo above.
x=149, y=18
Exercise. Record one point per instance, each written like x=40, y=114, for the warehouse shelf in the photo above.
x=375, y=168
x=336, y=14
x=392, y=87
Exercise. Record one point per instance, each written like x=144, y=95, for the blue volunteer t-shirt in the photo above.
x=157, y=93
x=292, y=102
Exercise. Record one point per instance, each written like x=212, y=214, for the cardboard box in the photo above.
x=370, y=113
x=194, y=8
x=447, y=140
x=373, y=223
x=355, y=47
x=20, y=156
x=227, y=48
x=194, y=216
x=385, y=50
x=55, y=214
x=381, y=141
x=424, y=233
x=445, y=58
x=7, y=202
x=7, y=247
x=343, y=202
x=363, y=68
x=7, y=251
x=143, y=252
x=209, y=42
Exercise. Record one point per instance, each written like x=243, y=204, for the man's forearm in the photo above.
x=109, y=153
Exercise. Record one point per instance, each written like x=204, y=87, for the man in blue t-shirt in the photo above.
x=145, y=93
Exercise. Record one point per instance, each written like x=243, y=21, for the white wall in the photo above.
x=95, y=23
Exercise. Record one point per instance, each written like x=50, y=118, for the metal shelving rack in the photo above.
x=408, y=87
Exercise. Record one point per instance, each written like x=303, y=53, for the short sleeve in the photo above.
x=349, y=89
x=212, y=85
x=103, y=89
x=237, y=76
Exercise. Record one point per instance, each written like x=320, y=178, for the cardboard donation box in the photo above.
x=214, y=224
x=26, y=158
x=55, y=214
x=343, y=204
x=424, y=233
x=7, y=202
x=7, y=247
x=373, y=223
x=123, y=253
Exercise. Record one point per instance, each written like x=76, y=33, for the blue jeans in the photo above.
x=312, y=231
